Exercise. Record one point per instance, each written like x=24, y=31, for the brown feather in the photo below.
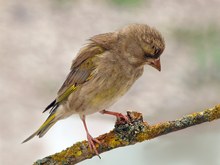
x=83, y=65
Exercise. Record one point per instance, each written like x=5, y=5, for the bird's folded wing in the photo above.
x=83, y=66
x=81, y=70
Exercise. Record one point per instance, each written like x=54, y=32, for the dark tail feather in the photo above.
x=30, y=137
x=51, y=105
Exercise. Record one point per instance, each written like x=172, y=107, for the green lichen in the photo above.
x=213, y=113
x=70, y=153
x=142, y=136
x=129, y=131
x=42, y=161
x=113, y=143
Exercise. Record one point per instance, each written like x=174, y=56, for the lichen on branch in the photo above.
x=125, y=134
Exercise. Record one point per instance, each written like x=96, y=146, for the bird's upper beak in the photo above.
x=156, y=64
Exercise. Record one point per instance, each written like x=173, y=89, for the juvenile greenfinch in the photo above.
x=102, y=72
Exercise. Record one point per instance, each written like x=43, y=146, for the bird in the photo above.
x=102, y=72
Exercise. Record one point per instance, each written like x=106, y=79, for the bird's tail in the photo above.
x=51, y=120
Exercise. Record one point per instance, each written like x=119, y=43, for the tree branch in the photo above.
x=125, y=134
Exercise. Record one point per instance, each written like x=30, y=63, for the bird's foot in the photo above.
x=90, y=139
x=92, y=146
x=120, y=117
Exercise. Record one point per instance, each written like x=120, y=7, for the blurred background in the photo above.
x=39, y=39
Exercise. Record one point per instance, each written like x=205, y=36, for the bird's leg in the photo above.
x=90, y=139
x=119, y=116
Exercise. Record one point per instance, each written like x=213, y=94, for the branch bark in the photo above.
x=125, y=134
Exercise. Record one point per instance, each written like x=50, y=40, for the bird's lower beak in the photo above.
x=156, y=64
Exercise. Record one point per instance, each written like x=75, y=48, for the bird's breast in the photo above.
x=110, y=85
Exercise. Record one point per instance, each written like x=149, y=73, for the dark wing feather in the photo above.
x=50, y=106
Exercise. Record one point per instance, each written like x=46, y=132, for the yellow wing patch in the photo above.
x=65, y=94
x=47, y=122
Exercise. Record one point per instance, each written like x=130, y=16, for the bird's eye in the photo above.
x=157, y=51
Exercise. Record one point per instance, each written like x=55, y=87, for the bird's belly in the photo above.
x=106, y=95
x=99, y=94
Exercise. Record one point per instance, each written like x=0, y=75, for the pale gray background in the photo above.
x=38, y=40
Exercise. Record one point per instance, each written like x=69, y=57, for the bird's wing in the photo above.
x=80, y=72
x=83, y=65
x=81, y=68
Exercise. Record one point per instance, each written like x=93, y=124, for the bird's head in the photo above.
x=142, y=45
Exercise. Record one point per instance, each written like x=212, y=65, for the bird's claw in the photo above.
x=120, y=117
x=92, y=146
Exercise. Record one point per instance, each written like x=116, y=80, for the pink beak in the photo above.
x=156, y=64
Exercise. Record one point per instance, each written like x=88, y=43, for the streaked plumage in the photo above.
x=103, y=71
